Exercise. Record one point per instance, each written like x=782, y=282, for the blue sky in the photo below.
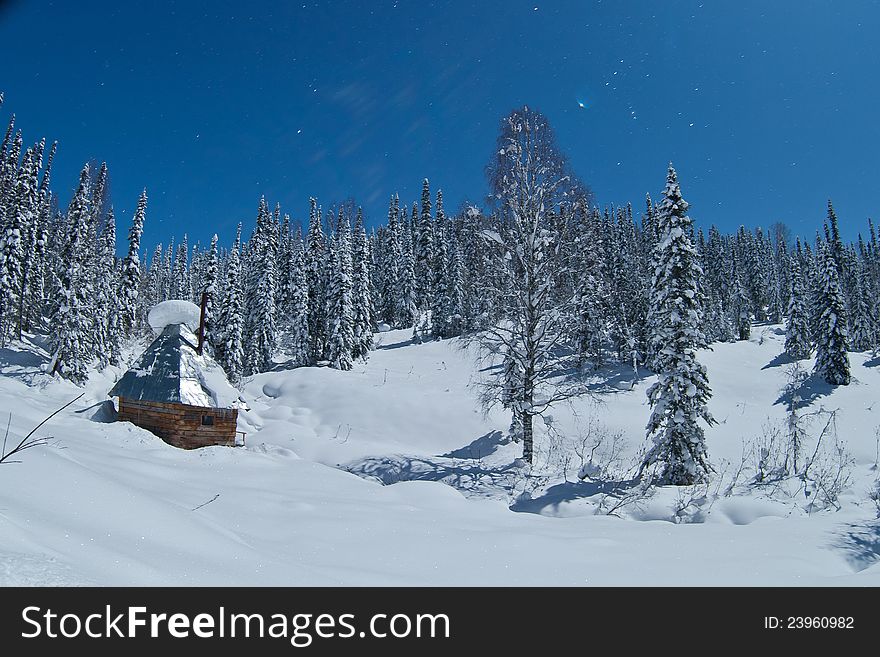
x=766, y=109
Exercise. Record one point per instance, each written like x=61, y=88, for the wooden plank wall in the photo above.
x=181, y=424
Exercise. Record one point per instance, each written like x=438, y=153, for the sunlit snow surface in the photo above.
x=111, y=504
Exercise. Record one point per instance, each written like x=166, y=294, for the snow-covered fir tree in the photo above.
x=340, y=311
x=441, y=304
x=131, y=268
x=424, y=252
x=362, y=298
x=300, y=341
x=180, y=279
x=70, y=326
x=455, y=291
x=316, y=278
x=108, y=318
x=797, y=330
x=211, y=289
x=406, y=310
x=390, y=265
x=229, y=348
x=259, y=328
x=832, y=341
x=679, y=397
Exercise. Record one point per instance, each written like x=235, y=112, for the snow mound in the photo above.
x=174, y=312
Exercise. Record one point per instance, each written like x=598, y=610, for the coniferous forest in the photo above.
x=539, y=274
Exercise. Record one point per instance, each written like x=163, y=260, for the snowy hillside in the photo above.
x=109, y=503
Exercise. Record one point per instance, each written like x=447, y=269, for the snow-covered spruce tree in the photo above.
x=741, y=304
x=362, y=298
x=340, y=316
x=832, y=361
x=155, y=287
x=528, y=176
x=70, y=324
x=424, y=252
x=590, y=324
x=26, y=219
x=283, y=263
x=862, y=324
x=259, y=328
x=131, y=268
x=9, y=167
x=316, y=279
x=797, y=328
x=180, y=280
x=34, y=306
x=16, y=220
x=300, y=342
x=107, y=319
x=440, y=301
x=456, y=321
x=196, y=273
x=679, y=397
x=391, y=263
x=168, y=271
x=211, y=288
x=835, y=244
x=405, y=295
x=230, y=320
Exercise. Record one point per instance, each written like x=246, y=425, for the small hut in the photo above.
x=175, y=390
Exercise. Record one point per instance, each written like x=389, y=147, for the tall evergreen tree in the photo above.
x=797, y=330
x=316, y=279
x=19, y=218
x=230, y=322
x=131, y=268
x=259, y=329
x=70, y=324
x=340, y=315
x=362, y=299
x=405, y=295
x=300, y=341
x=180, y=279
x=26, y=219
x=832, y=361
x=211, y=288
x=108, y=317
x=391, y=264
x=680, y=396
x=441, y=306
x=424, y=252
x=455, y=293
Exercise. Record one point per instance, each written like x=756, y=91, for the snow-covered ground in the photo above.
x=304, y=503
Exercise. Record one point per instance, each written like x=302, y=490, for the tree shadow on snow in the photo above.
x=872, y=362
x=814, y=387
x=614, y=378
x=780, y=360
x=468, y=476
x=21, y=364
x=397, y=345
x=860, y=545
x=20, y=358
x=569, y=491
x=480, y=447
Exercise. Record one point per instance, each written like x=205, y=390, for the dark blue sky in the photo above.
x=765, y=108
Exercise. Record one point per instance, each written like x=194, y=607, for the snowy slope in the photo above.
x=108, y=503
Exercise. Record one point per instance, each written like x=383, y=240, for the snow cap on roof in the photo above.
x=171, y=312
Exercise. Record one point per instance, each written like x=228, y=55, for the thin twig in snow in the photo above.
x=206, y=503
